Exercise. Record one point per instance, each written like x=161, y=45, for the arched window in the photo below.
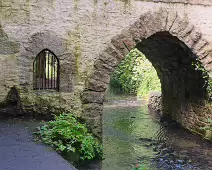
x=46, y=71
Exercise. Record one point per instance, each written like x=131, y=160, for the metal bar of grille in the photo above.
x=58, y=69
x=48, y=68
x=39, y=84
x=51, y=70
x=46, y=71
x=36, y=74
x=43, y=72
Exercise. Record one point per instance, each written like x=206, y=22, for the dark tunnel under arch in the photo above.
x=181, y=82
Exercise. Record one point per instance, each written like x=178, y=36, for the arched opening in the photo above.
x=126, y=129
x=175, y=48
x=172, y=45
x=134, y=77
x=181, y=82
x=46, y=71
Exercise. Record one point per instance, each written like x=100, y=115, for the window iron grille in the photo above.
x=46, y=71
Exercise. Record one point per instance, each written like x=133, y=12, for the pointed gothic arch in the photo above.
x=46, y=71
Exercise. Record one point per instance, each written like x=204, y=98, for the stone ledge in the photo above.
x=188, y=2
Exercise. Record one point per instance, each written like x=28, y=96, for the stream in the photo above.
x=131, y=135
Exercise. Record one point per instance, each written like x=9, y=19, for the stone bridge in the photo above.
x=90, y=38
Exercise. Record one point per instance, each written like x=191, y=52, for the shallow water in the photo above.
x=131, y=135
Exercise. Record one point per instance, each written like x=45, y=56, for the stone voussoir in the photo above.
x=113, y=51
x=118, y=43
x=148, y=24
x=101, y=75
x=192, y=39
x=109, y=59
x=207, y=60
x=101, y=65
x=170, y=20
x=200, y=45
x=178, y=26
x=204, y=52
x=96, y=85
x=186, y=32
x=137, y=31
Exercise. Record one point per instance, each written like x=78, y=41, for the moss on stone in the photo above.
x=76, y=4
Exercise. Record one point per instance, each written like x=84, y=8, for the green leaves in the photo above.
x=208, y=126
x=65, y=133
x=135, y=75
x=208, y=82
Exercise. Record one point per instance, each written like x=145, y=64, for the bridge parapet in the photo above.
x=190, y=2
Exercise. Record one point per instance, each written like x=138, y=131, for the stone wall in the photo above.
x=9, y=53
x=79, y=32
x=189, y=2
x=172, y=45
x=193, y=117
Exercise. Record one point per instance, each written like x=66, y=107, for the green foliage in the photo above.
x=208, y=126
x=209, y=88
x=135, y=75
x=150, y=80
x=208, y=82
x=66, y=134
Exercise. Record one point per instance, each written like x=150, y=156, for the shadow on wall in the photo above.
x=12, y=105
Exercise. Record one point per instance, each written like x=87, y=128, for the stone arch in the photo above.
x=50, y=40
x=150, y=27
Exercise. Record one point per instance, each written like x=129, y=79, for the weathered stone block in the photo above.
x=155, y=104
x=9, y=47
x=192, y=38
x=204, y=52
x=95, y=124
x=96, y=85
x=116, y=51
x=92, y=110
x=109, y=59
x=178, y=26
x=100, y=65
x=101, y=76
x=118, y=42
x=92, y=97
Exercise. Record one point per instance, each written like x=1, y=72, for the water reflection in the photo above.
x=131, y=136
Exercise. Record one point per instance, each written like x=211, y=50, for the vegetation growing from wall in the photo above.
x=135, y=75
x=207, y=128
x=67, y=134
x=208, y=82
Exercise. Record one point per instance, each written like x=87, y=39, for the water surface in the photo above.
x=131, y=135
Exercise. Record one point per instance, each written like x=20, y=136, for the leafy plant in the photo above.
x=66, y=134
x=208, y=126
x=208, y=81
x=135, y=75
